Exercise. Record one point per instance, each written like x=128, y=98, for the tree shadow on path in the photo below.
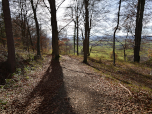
x=50, y=92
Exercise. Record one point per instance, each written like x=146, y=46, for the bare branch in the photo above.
x=60, y=5
x=65, y=26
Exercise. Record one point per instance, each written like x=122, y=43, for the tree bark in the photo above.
x=77, y=34
x=124, y=54
x=86, y=30
x=89, y=35
x=88, y=51
x=37, y=30
x=41, y=40
x=138, y=29
x=22, y=23
x=77, y=21
x=55, y=45
x=114, y=38
x=28, y=29
x=9, y=34
x=74, y=35
x=125, y=47
x=2, y=29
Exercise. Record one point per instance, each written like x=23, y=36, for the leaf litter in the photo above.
x=71, y=87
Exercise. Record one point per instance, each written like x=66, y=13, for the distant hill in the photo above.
x=110, y=37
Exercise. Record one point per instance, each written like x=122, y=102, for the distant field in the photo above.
x=104, y=50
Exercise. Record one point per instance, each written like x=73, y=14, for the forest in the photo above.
x=75, y=56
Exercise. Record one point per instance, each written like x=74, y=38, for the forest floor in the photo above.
x=69, y=86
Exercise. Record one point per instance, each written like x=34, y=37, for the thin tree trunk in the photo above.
x=114, y=38
x=37, y=30
x=24, y=33
x=77, y=35
x=41, y=45
x=27, y=36
x=138, y=30
x=74, y=35
x=22, y=22
x=83, y=39
x=30, y=37
x=22, y=30
x=88, y=51
x=124, y=54
x=41, y=40
x=125, y=48
x=9, y=34
x=89, y=35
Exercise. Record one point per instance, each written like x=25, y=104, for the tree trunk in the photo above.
x=41, y=40
x=74, y=35
x=88, y=51
x=22, y=23
x=114, y=38
x=138, y=30
x=86, y=30
x=30, y=36
x=37, y=30
x=55, y=45
x=77, y=34
x=2, y=35
x=27, y=37
x=9, y=34
x=125, y=47
x=124, y=54
x=82, y=39
x=89, y=35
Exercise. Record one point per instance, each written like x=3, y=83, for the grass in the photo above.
x=135, y=76
x=127, y=73
x=105, y=52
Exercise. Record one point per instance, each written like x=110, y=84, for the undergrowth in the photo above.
x=25, y=66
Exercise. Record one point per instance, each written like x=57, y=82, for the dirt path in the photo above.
x=71, y=87
x=91, y=93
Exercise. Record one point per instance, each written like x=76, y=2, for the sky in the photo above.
x=60, y=17
x=104, y=27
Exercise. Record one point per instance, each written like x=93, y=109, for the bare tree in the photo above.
x=29, y=33
x=138, y=30
x=77, y=21
x=115, y=33
x=9, y=34
x=37, y=27
x=55, y=45
x=86, y=30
